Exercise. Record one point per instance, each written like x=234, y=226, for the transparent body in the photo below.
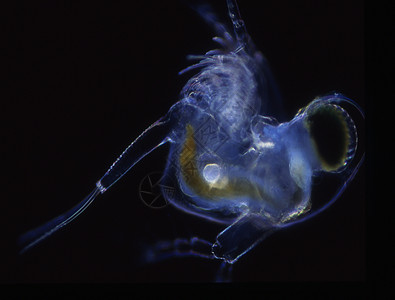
x=230, y=158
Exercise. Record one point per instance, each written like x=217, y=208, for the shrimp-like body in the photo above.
x=230, y=158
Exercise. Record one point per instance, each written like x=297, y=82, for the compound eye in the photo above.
x=333, y=134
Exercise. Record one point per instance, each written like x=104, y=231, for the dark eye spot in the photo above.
x=329, y=131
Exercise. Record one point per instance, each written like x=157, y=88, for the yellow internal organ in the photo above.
x=224, y=188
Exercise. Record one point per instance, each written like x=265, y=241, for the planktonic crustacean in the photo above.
x=233, y=162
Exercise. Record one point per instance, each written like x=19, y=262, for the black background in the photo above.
x=90, y=77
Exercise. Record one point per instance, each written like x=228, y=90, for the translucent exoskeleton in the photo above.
x=232, y=156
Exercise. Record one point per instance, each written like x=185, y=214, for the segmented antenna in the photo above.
x=238, y=24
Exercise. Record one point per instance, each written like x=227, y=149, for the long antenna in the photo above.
x=238, y=24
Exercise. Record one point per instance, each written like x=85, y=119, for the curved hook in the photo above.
x=335, y=98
